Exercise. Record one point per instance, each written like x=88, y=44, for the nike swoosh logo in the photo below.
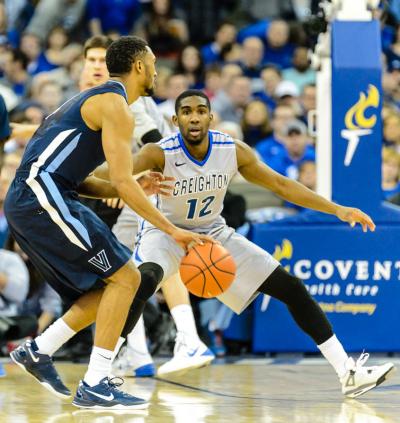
x=35, y=359
x=179, y=164
x=107, y=398
x=107, y=358
x=192, y=353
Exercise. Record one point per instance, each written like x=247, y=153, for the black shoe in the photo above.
x=41, y=367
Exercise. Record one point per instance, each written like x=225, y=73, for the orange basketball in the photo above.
x=207, y=270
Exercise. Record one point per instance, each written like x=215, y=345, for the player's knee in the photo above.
x=151, y=276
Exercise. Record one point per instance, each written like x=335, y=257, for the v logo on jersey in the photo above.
x=101, y=261
x=179, y=164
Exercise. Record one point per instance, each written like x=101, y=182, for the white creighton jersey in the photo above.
x=200, y=187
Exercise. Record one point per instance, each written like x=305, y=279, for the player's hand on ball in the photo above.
x=187, y=239
x=114, y=203
x=354, y=216
x=156, y=183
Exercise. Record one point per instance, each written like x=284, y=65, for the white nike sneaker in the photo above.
x=188, y=354
x=130, y=362
x=359, y=379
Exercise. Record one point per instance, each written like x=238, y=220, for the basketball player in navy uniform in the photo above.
x=202, y=163
x=74, y=250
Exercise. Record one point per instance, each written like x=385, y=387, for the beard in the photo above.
x=148, y=91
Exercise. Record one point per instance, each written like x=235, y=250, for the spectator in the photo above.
x=308, y=101
x=164, y=28
x=225, y=35
x=5, y=130
x=274, y=144
x=297, y=150
x=14, y=282
x=212, y=81
x=16, y=76
x=190, y=63
x=6, y=176
x=393, y=52
x=31, y=46
x=390, y=173
x=252, y=57
x=41, y=301
x=307, y=177
x=287, y=93
x=54, y=55
x=176, y=84
x=238, y=96
x=231, y=128
x=112, y=16
x=50, y=13
x=49, y=96
x=278, y=50
x=255, y=123
x=271, y=77
x=300, y=74
x=261, y=9
x=391, y=131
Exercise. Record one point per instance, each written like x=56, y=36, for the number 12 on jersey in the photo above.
x=202, y=209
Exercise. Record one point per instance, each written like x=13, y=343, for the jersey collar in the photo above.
x=189, y=156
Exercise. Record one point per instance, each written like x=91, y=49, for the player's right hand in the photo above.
x=187, y=239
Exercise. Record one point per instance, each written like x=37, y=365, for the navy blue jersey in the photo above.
x=64, y=146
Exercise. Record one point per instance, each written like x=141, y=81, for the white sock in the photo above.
x=137, y=338
x=333, y=351
x=184, y=320
x=99, y=365
x=53, y=337
x=120, y=342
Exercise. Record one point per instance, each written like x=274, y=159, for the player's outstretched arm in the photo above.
x=256, y=172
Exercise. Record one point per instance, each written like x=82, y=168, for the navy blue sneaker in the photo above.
x=41, y=367
x=106, y=396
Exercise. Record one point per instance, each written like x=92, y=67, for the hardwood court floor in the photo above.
x=269, y=391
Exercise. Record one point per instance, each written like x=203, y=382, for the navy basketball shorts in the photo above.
x=68, y=243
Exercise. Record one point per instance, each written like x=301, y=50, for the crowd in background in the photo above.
x=251, y=57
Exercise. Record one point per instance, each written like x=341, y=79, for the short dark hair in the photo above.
x=97, y=41
x=19, y=56
x=190, y=93
x=123, y=52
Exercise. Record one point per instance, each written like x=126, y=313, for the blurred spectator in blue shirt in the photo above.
x=255, y=123
x=112, y=16
x=300, y=74
x=308, y=102
x=252, y=57
x=278, y=50
x=16, y=76
x=296, y=150
x=225, y=34
x=271, y=76
x=274, y=144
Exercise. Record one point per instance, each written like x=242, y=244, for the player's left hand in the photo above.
x=354, y=216
x=156, y=183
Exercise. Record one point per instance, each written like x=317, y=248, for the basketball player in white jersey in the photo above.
x=202, y=163
x=135, y=359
